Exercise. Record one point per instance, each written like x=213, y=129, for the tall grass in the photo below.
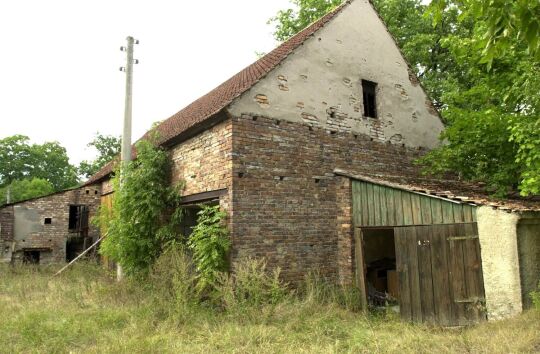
x=85, y=310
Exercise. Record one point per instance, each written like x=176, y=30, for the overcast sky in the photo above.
x=59, y=61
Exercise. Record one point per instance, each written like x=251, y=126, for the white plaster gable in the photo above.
x=319, y=83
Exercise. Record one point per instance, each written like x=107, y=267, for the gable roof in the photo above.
x=216, y=100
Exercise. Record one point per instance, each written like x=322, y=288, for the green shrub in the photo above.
x=209, y=243
x=140, y=221
x=535, y=296
x=173, y=280
x=250, y=285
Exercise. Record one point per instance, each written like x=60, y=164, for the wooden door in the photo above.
x=440, y=273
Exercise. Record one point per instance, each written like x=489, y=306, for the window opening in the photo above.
x=31, y=257
x=78, y=219
x=189, y=217
x=48, y=221
x=370, y=103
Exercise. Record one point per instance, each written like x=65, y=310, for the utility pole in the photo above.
x=8, y=194
x=126, y=134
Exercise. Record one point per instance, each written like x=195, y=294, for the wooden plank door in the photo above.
x=440, y=273
x=360, y=267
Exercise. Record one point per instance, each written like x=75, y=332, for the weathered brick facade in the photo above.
x=24, y=226
x=204, y=162
x=287, y=204
x=6, y=233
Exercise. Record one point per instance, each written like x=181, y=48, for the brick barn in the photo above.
x=311, y=152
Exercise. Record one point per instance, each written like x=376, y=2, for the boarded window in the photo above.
x=370, y=102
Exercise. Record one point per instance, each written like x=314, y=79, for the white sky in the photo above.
x=59, y=61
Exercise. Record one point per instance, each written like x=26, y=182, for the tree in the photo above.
x=290, y=21
x=503, y=23
x=107, y=146
x=16, y=159
x=502, y=59
x=49, y=161
x=26, y=189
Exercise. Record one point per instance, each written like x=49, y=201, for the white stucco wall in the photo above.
x=497, y=231
x=320, y=84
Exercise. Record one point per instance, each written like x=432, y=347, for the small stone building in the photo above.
x=311, y=152
x=50, y=229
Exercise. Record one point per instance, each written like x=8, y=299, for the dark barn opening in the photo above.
x=380, y=260
x=78, y=228
x=78, y=219
x=31, y=257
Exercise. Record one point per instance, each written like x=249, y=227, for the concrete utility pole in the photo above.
x=126, y=134
x=8, y=194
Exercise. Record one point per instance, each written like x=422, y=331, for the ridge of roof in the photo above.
x=220, y=97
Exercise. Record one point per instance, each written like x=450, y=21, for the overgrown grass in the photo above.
x=85, y=310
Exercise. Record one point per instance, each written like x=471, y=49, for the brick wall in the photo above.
x=32, y=233
x=204, y=161
x=6, y=233
x=288, y=206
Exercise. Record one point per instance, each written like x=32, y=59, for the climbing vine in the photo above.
x=209, y=243
x=145, y=213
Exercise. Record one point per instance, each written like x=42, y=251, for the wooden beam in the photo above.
x=199, y=197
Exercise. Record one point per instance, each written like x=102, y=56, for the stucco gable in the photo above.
x=320, y=83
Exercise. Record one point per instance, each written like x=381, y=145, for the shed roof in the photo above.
x=449, y=189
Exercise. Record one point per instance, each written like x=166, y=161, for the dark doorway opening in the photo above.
x=380, y=266
x=77, y=245
x=31, y=257
x=78, y=219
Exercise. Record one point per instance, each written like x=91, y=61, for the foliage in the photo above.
x=145, y=212
x=209, y=243
x=174, y=280
x=318, y=291
x=502, y=94
x=250, y=285
x=26, y=189
x=21, y=160
x=504, y=23
x=107, y=146
x=288, y=22
x=535, y=296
